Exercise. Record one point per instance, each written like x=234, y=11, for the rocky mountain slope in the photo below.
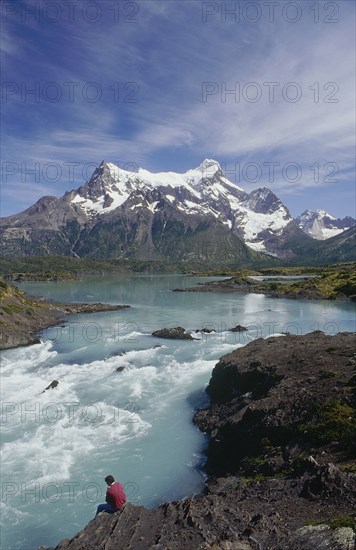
x=281, y=458
x=191, y=217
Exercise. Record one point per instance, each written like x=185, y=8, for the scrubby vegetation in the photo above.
x=54, y=267
x=333, y=282
x=332, y=422
x=329, y=422
x=335, y=523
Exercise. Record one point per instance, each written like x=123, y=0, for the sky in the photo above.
x=267, y=88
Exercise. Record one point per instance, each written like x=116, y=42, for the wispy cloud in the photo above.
x=166, y=56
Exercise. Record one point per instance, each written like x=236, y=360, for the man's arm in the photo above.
x=109, y=498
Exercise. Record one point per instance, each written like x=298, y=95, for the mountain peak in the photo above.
x=209, y=167
x=322, y=214
x=106, y=166
x=321, y=225
x=264, y=201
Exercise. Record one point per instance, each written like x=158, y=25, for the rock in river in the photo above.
x=177, y=333
x=51, y=386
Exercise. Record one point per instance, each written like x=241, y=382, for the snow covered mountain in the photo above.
x=153, y=216
x=321, y=225
x=203, y=191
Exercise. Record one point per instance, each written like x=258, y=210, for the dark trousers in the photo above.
x=105, y=508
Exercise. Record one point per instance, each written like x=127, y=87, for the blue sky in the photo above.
x=146, y=83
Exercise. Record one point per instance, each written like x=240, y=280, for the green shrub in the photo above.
x=273, y=286
x=252, y=466
x=331, y=421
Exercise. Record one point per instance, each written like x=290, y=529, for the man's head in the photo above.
x=109, y=480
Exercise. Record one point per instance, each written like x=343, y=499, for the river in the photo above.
x=135, y=423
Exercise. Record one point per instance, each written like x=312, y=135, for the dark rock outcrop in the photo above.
x=51, y=386
x=238, y=328
x=281, y=406
x=177, y=333
x=232, y=514
x=278, y=400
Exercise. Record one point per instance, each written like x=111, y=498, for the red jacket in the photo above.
x=115, y=495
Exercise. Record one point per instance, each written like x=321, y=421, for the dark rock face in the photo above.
x=269, y=415
x=177, y=333
x=328, y=483
x=276, y=400
x=262, y=200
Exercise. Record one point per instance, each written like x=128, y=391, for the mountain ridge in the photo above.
x=321, y=225
x=120, y=214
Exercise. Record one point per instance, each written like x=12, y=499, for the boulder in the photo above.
x=177, y=333
x=238, y=328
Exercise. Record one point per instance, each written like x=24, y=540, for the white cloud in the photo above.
x=169, y=53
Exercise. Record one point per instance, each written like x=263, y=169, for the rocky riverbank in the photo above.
x=281, y=458
x=328, y=284
x=22, y=316
x=296, y=291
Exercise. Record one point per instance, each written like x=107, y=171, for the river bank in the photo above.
x=280, y=461
x=329, y=284
x=23, y=316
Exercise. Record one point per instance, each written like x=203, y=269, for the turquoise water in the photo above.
x=58, y=446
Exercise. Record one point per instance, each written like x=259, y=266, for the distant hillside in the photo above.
x=340, y=248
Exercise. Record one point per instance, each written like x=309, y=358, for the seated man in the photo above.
x=115, y=497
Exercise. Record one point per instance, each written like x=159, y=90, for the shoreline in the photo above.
x=22, y=316
x=304, y=289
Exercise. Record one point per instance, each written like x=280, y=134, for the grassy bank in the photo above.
x=331, y=283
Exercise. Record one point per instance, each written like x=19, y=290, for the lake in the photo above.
x=135, y=423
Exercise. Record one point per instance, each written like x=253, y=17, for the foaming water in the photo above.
x=125, y=400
